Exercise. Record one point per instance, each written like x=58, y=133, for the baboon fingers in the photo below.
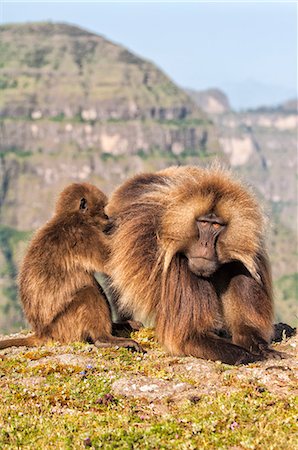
x=135, y=325
x=126, y=327
x=247, y=358
x=269, y=353
x=265, y=352
x=132, y=345
x=119, y=342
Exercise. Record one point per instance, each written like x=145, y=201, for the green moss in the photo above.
x=186, y=123
x=17, y=152
x=7, y=83
x=155, y=153
x=59, y=118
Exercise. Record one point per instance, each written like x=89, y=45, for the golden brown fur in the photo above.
x=161, y=279
x=60, y=295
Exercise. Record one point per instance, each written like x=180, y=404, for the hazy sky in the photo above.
x=247, y=49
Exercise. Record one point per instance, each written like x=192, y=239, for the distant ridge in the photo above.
x=61, y=69
x=211, y=101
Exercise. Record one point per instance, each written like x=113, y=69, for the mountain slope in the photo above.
x=47, y=70
x=212, y=101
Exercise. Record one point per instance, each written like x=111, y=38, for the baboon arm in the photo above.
x=92, y=257
x=248, y=312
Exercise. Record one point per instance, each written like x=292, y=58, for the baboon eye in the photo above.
x=83, y=204
x=216, y=225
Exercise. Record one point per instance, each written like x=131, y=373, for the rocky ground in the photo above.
x=75, y=396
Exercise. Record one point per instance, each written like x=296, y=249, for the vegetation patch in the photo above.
x=11, y=309
x=73, y=404
x=9, y=237
x=17, y=152
x=288, y=286
x=7, y=83
x=37, y=57
x=187, y=122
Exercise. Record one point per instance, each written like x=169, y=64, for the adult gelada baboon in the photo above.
x=188, y=257
x=60, y=295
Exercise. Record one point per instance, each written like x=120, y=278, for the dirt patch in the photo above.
x=151, y=388
x=66, y=359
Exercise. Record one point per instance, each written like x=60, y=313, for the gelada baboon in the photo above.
x=188, y=257
x=60, y=295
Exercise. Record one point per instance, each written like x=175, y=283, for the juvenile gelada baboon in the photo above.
x=60, y=295
x=188, y=257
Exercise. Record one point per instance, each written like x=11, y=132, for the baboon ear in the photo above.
x=83, y=204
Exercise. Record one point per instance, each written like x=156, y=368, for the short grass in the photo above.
x=72, y=407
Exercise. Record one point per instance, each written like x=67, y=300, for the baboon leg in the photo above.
x=281, y=331
x=88, y=317
x=28, y=341
x=248, y=314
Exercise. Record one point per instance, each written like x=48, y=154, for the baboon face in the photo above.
x=213, y=224
x=85, y=199
x=202, y=252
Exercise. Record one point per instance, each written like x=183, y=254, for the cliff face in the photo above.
x=263, y=147
x=48, y=155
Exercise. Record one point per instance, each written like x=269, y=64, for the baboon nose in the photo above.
x=109, y=225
